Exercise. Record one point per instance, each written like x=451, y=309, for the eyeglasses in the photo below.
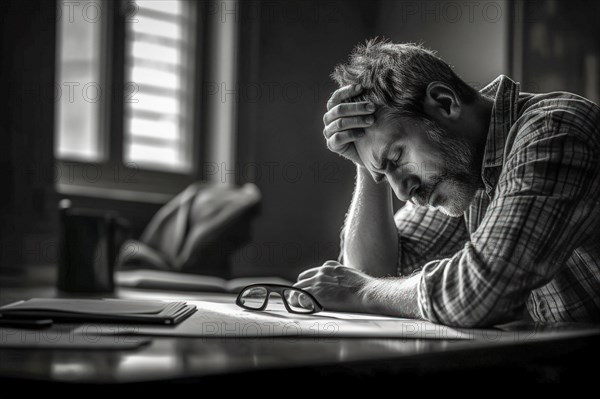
x=295, y=300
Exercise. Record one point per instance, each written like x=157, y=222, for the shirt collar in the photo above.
x=505, y=93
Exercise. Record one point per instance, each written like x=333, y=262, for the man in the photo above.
x=501, y=188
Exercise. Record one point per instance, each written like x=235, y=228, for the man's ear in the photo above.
x=441, y=101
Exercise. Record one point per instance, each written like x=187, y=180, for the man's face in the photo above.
x=421, y=162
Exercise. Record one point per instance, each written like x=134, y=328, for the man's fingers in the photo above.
x=342, y=94
x=310, y=282
x=292, y=298
x=347, y=116
x=304, y=283
x=353, y=122
x=313, y=271
x=338, y=142
x=298, y=299
x=304, y=301
x=309, y=273
x=348, y=109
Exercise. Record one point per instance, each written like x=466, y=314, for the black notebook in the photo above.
x=100, y=310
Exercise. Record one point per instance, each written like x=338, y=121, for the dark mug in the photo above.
x=89, y=244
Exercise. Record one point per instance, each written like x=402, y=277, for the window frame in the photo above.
x=113, y=173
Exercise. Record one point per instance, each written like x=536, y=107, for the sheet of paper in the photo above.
x=228, y=320
x=237, y=284
x=159, y=279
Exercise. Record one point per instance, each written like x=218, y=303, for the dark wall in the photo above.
x=287, y=55
x=473, y=37
x=561, y=46
x=26, y=129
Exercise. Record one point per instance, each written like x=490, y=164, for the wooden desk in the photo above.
x=545, y=353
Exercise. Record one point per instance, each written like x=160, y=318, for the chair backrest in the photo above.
x=200, y=216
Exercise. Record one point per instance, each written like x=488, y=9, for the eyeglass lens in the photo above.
x=298, y=301
x=255, y=298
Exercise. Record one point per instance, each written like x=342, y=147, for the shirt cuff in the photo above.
x=423, y=295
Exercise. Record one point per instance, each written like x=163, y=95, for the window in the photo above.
x=79, y=52
x=126, y=94
x=159, y=68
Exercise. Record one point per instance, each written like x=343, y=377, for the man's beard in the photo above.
x=461, y=174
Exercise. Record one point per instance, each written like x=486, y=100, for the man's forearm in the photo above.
x=370, y=235
x=392, y=296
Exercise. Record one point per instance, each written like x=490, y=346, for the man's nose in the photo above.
x=406, y=187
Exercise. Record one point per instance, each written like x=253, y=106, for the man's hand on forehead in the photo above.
x=345, y=121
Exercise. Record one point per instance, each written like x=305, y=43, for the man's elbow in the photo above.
x=483, y=316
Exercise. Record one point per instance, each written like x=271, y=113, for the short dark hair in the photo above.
x=396, y=76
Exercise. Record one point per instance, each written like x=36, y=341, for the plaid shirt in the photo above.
x=531, y=238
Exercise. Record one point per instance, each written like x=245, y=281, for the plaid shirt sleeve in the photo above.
x=425, y=234
x=544, y=205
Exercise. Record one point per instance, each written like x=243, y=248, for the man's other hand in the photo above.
x=335, y=286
